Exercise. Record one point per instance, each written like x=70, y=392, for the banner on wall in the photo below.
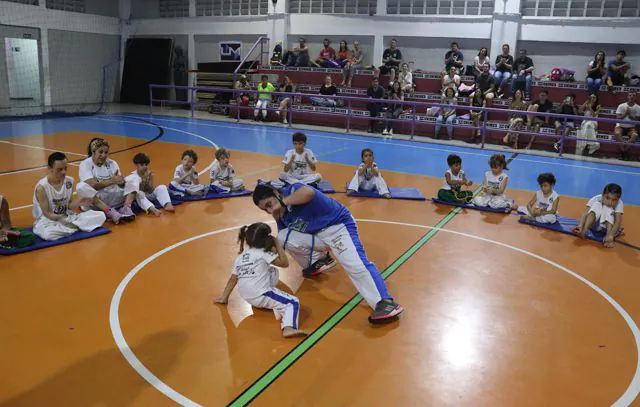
x=230, y=50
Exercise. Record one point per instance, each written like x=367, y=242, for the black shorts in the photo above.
x=385, y=69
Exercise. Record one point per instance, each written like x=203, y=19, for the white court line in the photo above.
x=37, y=148
x=624, y=400
x=347, y=138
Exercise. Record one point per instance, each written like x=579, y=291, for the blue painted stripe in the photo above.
x=286, y=300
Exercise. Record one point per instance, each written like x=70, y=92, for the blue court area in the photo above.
x=575, y=178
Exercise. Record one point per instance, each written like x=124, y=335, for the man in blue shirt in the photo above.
x=454, y=58
x=306, y=210
x=617, y=69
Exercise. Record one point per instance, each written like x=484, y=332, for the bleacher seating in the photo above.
x=308, y=80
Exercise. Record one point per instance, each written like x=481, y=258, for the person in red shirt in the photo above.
x=327, y=57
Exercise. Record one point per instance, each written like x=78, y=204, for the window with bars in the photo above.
x=30, y=2
x=174, y=8
x=231, y=7
x=581, y=8
x=367, y=7
x=441, y=7
x=77, y=6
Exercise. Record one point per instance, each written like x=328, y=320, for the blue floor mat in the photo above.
x=326, y=187
x=42, y=244
x=212, y=195
x=471, y=206
x=412, y=194
x=565, y=225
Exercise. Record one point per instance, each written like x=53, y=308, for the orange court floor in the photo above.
x=497, y=313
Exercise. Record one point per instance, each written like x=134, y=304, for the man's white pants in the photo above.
x=88, y=221
x=551, y=218
x=305, y=249
x=303, y=179
x=359, y=182
x=493, y=201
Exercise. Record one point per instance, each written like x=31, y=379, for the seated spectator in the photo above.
x=447, y=114
x=327, y=56
x=375, y=91
x=504, y=67
x=343, y=54
x=53, y=206
x=327, y=89
x=485, y=83
x=542, y=105
x=264, y=98
x=596, y=72
x=299, y=56
x=406, y=79
x=394, y=109
x=391, y=59
x=516, y=119
x=355, y=61
x=568, y=107
x=629, y=110
x=587, y=135
x=617, y=70
x=477, y=100
x=454, y=59
x=451, y=80
x=285, y=101
x=522, y=74
x=242, y=84
x=480, y=60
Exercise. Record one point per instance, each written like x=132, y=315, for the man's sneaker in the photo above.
x=320, y=266
x=386, y=311
x=127, y=214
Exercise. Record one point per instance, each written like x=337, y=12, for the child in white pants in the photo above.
x=543, y=206
x=495, y=185
x=53, y=206
x=222, y=173
x=604, y=214
x=298, y=162
x=142, y=177
x=368, y=177
x=185, y=178
x=256, y=278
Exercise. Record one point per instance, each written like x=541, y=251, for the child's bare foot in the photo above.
x=609, y=245
x=154, y=211
x=289, y=332
x=387, y=196
x=169, y=207
x=578, y=232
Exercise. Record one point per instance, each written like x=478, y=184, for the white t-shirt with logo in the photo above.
x=179, y=173
x=255, y=272
x=221, y=174
x=459, y=177
x=546, y=202
x=598, y=198
x=494, y=181
x=58, y=199
x=299, y=165
x=633, y=113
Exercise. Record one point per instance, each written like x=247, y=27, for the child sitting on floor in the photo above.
x=368, y=177
x=298, y=162
x=257, y=278
x=495, y=185
x=148, y=191
x=604, y=214
x=454, y=180
x=222, y=174
x=185, y=178
x=543, y=206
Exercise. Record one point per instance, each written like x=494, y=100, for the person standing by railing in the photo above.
x=375, y=91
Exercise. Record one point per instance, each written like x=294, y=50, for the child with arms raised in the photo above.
x=298, y=161
x=223, y=175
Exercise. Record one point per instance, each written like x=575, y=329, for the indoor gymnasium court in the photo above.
x=497, y=312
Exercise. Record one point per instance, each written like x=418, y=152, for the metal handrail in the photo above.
x=412, y=104
x=258, y=41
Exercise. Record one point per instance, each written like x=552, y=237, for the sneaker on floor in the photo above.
x=385, y=132
x=320, y=266
x=127, y=214
x=386, y=310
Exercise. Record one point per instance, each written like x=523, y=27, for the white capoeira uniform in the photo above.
x=188, y=185
x=257, y=280
x=113, y=195
x=48, y=229
x=494, y=201
x=368, y=182
x=144, y=198
x=303, y=247
x=219, y=174
x=333, y=225
x=299, y=171
x=588, y=132
x=545, y=203
x=604, y=214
